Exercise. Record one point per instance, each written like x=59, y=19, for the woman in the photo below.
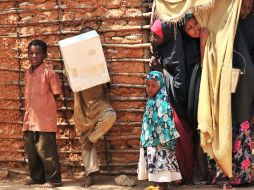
x=168, y=57
x=194, y=40
x=243, y=99
x=246, y=23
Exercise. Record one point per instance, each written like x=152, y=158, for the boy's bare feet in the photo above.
x=89, y=181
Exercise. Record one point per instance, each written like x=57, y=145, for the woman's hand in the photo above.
x=204, y=34
x=155, y=64
x=153, y=61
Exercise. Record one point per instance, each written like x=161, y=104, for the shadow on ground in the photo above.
x=102, y=183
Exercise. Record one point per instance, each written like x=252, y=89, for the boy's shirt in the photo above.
x=89, y=106
x=40, y=105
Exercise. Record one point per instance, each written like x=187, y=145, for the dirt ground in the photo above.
x=103, y=183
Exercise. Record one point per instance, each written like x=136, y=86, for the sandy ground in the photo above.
x=103, y=183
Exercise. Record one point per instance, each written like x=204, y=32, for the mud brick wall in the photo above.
x=123, y=26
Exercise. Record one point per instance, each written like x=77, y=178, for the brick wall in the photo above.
x=123, y=27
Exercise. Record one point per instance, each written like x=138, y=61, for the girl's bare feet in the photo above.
x=178, y=183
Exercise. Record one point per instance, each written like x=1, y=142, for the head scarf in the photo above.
x=156, y=28
x=158, y=125
x=187, y=16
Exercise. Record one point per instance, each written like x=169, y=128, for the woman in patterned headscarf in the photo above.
x=158, y=136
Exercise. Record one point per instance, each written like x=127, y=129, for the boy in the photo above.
x=93, y=116
x=42, y=87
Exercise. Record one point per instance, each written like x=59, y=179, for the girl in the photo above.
x=158, y=137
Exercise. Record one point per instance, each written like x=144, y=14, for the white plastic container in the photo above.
x=84, y=61
x=236, y=72
x=234, y=79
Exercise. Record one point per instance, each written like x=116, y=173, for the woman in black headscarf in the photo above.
x=168, y=57
x=194, y=40
x=246, y=25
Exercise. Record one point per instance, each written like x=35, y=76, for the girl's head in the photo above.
x=154, y=82
x=191, y=26
x=156, y=33
x=161, y=33
x=37, y=52
x=246, y=8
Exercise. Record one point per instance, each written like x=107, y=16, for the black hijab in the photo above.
x=247, y=29
x=243, y=98
x=192, y=54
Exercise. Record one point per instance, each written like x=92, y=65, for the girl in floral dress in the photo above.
x=158, y=137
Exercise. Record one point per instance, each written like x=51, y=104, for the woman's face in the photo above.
x=192, y=28
x=152, y=87
x=246, y=8
x=155, y=39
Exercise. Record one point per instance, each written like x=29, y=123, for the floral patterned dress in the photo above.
x=158, y=136
x=241, y=158
x=242, y=150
